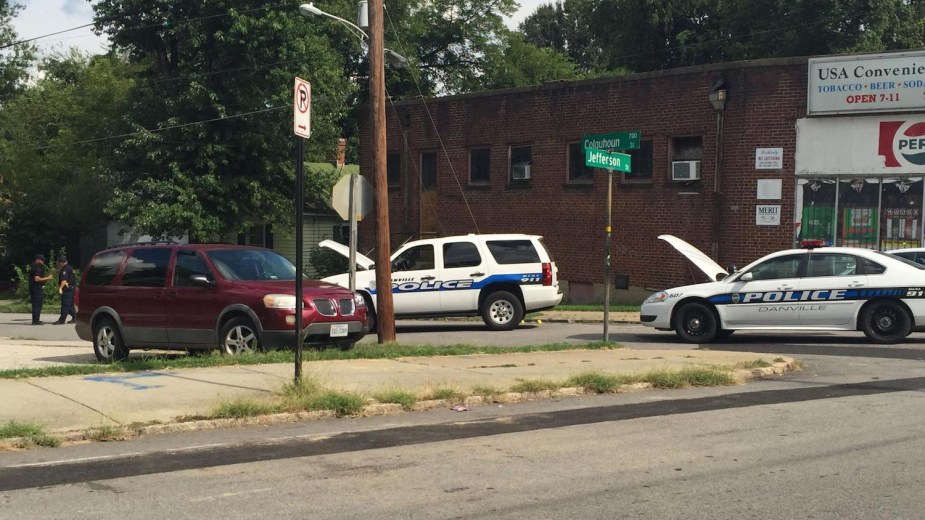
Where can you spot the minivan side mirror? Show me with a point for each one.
(201, 280)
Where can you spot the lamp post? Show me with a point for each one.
(717, 99)
(384, 308)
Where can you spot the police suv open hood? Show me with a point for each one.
(363, 262)
(703, 262)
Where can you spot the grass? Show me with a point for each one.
(31, 433)
(534, 385)
(402, 397)
(597, 307)
(361, 351)
(597, 382)
(241, 408)
(446, 393)
(487, 391)
(106, 432)
(758, 363)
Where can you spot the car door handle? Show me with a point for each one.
(476, 274)
(784, 287)
(856, 284)
(428, 278)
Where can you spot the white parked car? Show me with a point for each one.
(813, 288)
(500, 277)
(916, 254)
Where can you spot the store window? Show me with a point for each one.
(428, 170)
(479, 166)
(521, 159)
(393, 169)
(817, 217)
(578, 171)
(901, 213)
(858, 212)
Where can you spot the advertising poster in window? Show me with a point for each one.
(860, 227)
(817, 211)
(901, 214)
(859, 211)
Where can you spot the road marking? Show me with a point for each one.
(213, 498)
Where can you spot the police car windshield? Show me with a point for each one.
(903, 260)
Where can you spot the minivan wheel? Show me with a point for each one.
(239, 336)
(502, 310)
(107, 342)
(370, 314)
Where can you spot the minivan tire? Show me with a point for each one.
(502, 310)
(107, 342)
(239, 336)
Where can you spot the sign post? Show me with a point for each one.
(351, 197)
(595, 157)
(301, 110)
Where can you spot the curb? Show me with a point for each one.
(370, 410)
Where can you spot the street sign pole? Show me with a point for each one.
(353, 231)
(607, 255)
(299, 176)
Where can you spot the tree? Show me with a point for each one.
(563, 26)
(15, 58)
(213, 153)
(56, 179)
(518, 63)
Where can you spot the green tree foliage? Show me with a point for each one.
(641, 35)
(15, 58)
(53, 189)
(214, 61)
(518, 63)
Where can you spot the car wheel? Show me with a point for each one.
(107, 342)
(723, 334)
(885, 322)
(696, 323)
(502, 311)
(239, 336)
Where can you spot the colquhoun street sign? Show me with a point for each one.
(613, 141)
(611, 161)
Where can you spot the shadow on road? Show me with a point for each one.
(431, 327)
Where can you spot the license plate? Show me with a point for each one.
(339, 330)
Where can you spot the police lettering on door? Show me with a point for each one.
(431, 285)
(818, 295)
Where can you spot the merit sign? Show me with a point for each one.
(612, 141)
(612, 161)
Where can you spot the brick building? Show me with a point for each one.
(513, 161)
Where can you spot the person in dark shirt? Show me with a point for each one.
(66, 286)
(37, 279)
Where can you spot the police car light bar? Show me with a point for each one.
(811, 244)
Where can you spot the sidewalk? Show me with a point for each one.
(79, 403)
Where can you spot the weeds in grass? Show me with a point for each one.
(341, 403)
(487, 391)
(758, 363)
(106, 432)
(402, 397)
(707, 376)
(243, 408)
(780, 360)
(31, 434)
(447, 393)
(534, 385)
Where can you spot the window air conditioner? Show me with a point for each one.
(520, 172)
(683, 171)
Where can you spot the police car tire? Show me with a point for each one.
(502, 310)
(696, 323)
(108, 345)
(885, 321)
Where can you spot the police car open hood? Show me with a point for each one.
(363, 262)
(710, 268)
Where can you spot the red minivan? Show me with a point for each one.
(203, 296)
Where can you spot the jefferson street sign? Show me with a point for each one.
(612, 141)
(612, 161)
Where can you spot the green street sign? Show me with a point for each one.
(612, 141)
(612, 161)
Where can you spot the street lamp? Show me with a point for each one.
(384, 307)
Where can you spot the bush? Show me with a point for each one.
(326, 263)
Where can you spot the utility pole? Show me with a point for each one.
(385, 309)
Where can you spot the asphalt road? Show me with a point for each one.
(839, 439)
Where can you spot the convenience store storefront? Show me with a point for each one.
(860, 157)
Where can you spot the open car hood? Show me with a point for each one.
(703, 262)
(363, 262)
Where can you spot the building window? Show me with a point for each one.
(578, 172)
(901, 213)
(480, 166)
(686, 148)
(641, 164)
(816, 203)
(520, 163)
(393, 169)
(428, 170)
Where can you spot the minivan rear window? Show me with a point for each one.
(103, 268)
(513, 251)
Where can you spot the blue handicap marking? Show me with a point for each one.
(126, 380)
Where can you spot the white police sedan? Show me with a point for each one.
(813, 288)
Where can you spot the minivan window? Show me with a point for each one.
(103, 268)
(251, 264)
(188, 264)
(513, 251)
(147, 268)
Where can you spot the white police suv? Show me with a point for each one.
(813, 288)
(500, 277)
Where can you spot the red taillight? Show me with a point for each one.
(547, 273)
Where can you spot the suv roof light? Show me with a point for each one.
(811, 244)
